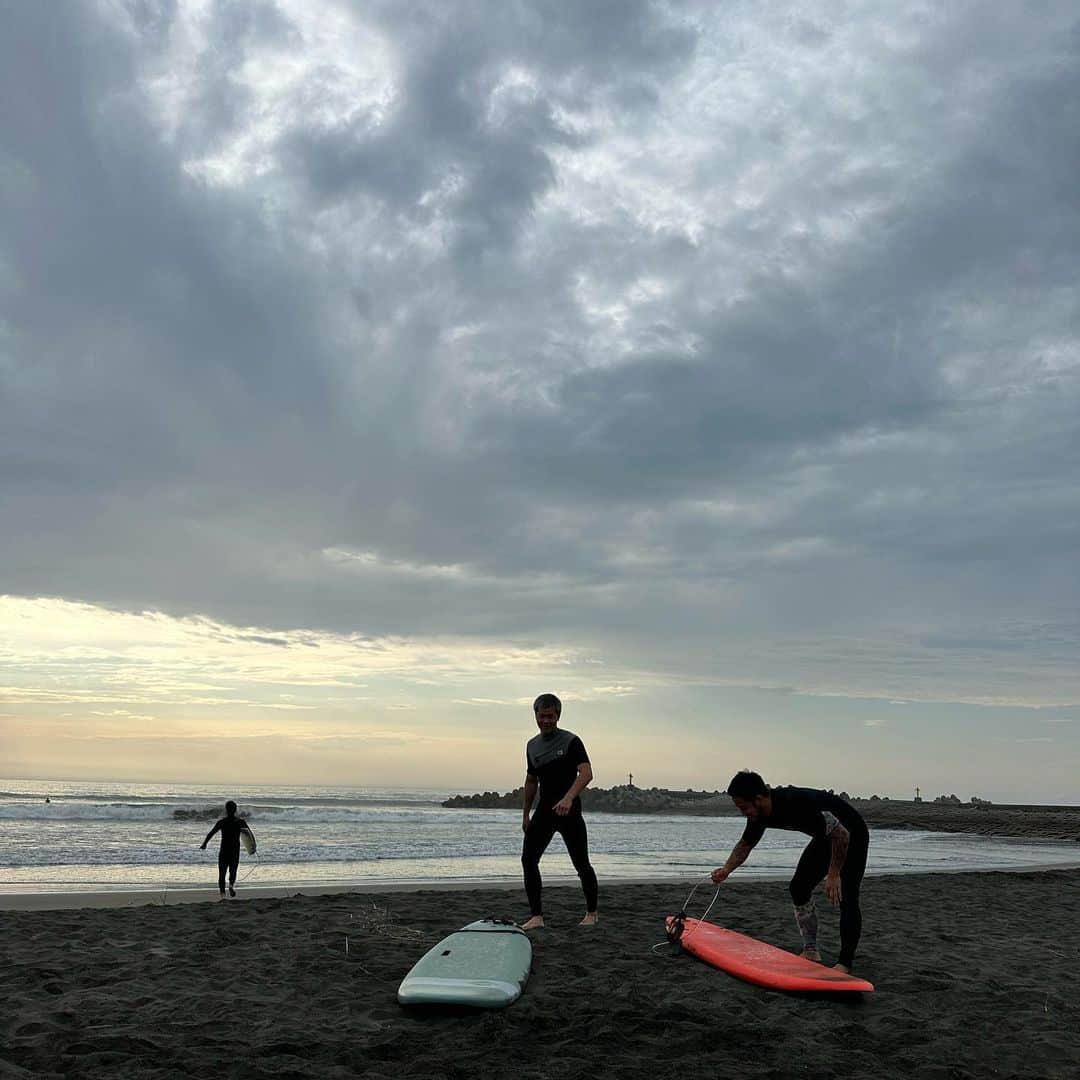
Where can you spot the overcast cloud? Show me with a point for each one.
(724, 344)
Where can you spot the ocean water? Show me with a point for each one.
(92, 836)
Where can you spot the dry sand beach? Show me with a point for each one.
(975, 975)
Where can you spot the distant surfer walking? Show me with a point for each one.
(230, 827)
(556, 765)
(836, 853)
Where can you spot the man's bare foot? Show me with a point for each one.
(535, 923)
(811, 954)
(591, 919)
(842, 968)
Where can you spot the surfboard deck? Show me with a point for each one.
(485, 964)
(758, 962)
(248, 840)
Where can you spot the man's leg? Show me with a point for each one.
(234, 862)
(537, 837)
(576, 836)
(812, 867)
(850, 913)
(222, 867)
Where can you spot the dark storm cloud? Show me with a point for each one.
(138, 309)
(524, 318)
(447, 123)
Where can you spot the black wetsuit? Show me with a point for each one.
(553, 760)
(816, 813)
(229, 854)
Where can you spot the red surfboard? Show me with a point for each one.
(756, 962)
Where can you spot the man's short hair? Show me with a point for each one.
(746, 785)
(547, 701)
(230, 807)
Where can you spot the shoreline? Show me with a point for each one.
(156, 896)
(968, 985)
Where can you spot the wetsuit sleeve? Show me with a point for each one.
(216, 827)
(576, 753)
(753, 832)
(529, 770)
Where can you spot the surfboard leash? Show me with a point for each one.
(254, 866)
(676, 928)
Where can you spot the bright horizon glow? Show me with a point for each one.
(96, 694)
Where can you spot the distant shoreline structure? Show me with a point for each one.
(944, 814)
(621, 799)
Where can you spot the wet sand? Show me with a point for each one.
(975, 977)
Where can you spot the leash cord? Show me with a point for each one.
(254, 867)
(675, 936)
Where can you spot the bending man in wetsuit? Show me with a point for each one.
(230, 827)
(557, 765)
(836, 853)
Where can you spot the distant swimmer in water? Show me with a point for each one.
(836, 853)
(47, 799)
(557, 765)
(230, 827)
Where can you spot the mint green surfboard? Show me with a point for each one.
(485, 964)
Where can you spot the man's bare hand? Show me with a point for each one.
(719, 875)
(564, 806)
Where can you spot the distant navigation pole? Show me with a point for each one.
(918, 797)
(631, 779)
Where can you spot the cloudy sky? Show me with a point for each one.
(367, 368)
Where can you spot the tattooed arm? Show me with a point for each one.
(840, 839)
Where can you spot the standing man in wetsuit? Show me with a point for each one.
(557, 765)
(836, 853)
(230, 827)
